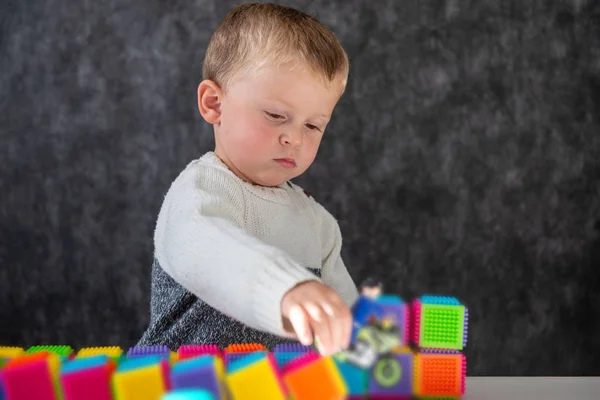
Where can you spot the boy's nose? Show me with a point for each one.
(293, 137)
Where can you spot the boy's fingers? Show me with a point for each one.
(337, 326)
(321, 327)
(301, 324)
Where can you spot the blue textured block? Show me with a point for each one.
(193, 363)
(356, 378)
(139, 362)
(243, 360)
(188, 394)
(443, 300)
(79, 364)
(282, 358)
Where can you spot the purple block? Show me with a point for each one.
(291, 348)
(145, 351)
(392, 376)
(196, 373)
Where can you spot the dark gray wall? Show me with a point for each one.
(464, 159)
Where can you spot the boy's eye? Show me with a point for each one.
(312, 127)
(273, 116)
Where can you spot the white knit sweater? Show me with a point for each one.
(240, 247)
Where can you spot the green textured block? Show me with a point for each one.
(62, 351)
(442, 326)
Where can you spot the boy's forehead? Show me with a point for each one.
(290, 85)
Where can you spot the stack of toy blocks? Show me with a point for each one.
(419, 354)
(440, 326)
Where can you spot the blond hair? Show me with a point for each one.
(253, 35)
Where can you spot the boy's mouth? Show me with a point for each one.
(286, 162)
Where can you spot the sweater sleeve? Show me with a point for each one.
(333, 270)
(201, 243)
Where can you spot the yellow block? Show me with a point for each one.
(139, 384)
(109, 351)
(11, 352)
(257, 381)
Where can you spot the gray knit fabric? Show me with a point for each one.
(178, 317)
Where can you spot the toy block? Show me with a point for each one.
(285, 352)
(145, 351)
(204, 372)
(114, 352)
(87, 378)
(236, 351)
(439, 374)
(396, 310)
(355, 378)
(189, 394)
(439, 322)
(194, 350)
(291, 348)
(8, 353)
(64, 352)
(245, 359)
(316, 379)
(257, 380)
(32, 376)
(392, 375)
(141, 378)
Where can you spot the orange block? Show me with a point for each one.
(245, 348)
(438, 375)
(317, 380)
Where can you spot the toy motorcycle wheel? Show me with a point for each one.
(387, 371)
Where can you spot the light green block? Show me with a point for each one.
(442, 326)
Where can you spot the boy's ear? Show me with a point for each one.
(210, 97)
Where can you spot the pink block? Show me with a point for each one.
(195, 350)
(416, 321)
(28, 381)
(88, 384)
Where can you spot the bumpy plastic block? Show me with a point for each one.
(141, 378)
(87, 378)
(440, 324)
(316, 380)
(392, 375)
(194, 350)
(32, 376)
(286, 352)
(64, 352)
(398, 311)
(204, 372)
(7, 353)
(245, 348)
(291, 348)
(145, 351)
(258, 380)
(114, 352)
(189, 394)
(355, 378)
(440, 375)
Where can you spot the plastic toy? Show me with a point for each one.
(400, 350)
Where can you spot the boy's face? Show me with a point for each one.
(271, 124)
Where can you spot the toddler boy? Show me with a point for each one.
(242, 254)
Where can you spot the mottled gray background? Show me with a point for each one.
(464, 159)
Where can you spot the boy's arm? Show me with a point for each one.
(201, 243)
(333, 270)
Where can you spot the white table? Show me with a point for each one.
(532, 388)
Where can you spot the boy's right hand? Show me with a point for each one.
(316, 312)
